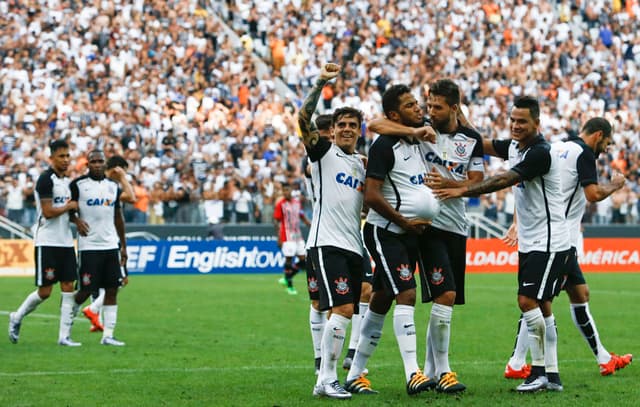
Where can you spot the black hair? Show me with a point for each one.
(347, 112)
(57, 145)
(391, 98)
(323, 121)
(597, 124)
(530, 103)
(117, 161)
(447, 89)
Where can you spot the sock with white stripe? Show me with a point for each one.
(520, 348)
(370, 334)
(429, 361)
(110, 313)
(317, 321)
(332, 341)
(356, 323)
(440, 325)
(405, 330)
(28, 305)
(96, 304)
(551, 345)
(587, 326)
(536, 334)
(67, 305)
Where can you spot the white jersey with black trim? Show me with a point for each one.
(453, 155)
(397, 163)
(53, 231)
(578, 163)
(338, 182)
(538, 197)
(97, 202)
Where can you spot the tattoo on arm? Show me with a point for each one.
(494, 183)
(308, 128)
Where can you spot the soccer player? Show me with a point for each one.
(453, 158)
(287, 214)
(102, 244)
(335, 243)
(400, 207)
(55, 257)
(116, 170)
(579, 184)
(543, 238)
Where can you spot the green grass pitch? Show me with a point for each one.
(240, 340)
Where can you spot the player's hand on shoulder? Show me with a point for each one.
(330, 71)
(426, 133)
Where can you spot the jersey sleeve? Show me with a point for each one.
(319, 150)
(476, 162)
(586, 167)
(502, 148)
(381, 158)
(277, 211)
(536, 162)
(75, 192)
(44, 187)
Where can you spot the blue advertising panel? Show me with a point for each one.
(203, 257)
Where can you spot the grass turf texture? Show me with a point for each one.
(240, 340)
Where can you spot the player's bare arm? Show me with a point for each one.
(598, 192)
(492, 184)
(309, 131)
(119, 224)
(388, 127)
(119, 175)
(49, 211)
(435, 180)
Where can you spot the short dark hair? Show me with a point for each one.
(597, 124)
(346, 112)
(530, 103)
(323, 121)
(447, 89)
(56, 145)
(117, 161)
(391, 98)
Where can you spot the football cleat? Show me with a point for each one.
(615, 363)
(419, 383)
(533, 383)
(282, 281)
(332, 390)
(68, 342)
(361, 385)
(14, 328)
(449, 383)
(111, 341)
(554, 383)
(94, 318)
(511, 373)
(292, 291)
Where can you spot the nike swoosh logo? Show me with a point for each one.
(340, 155)
(408, 325)
(375, 336)
(368, 274)
(406, 158)
(527, 284)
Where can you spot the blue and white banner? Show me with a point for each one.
(203, 257)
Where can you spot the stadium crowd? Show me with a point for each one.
(208, 137)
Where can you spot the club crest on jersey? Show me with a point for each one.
(312, 284)
(436, 276)
(461, 149)
(86, 279)
(342, 286)
(405, 272)
(50, 273)
(350, 180)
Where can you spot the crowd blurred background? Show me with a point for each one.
(201, 96)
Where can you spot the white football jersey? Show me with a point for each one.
(397, 162)
(338, 182)
(97, 202)
(53, 231)
(453, 155)
(539, 204)
(578, 163)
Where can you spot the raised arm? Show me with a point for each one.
(308, 130)
(597, 192)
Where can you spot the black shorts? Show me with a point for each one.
(542, 275)
(395, 256)
(443, 257)
(55, 264)
(100, 269)
(312, 280)
(339, 276)
(367, 270)
(574, 272)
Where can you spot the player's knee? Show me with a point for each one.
(365, 292)
(446, 298)
(345, 310)
(527, 304)
(578, 294)
(407, 297)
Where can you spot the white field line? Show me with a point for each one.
(48, 316)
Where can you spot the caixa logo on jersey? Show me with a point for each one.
(452, 166)
(417, 179)
(350, 181)
(204, 257)
(100, 202)
(59, 200)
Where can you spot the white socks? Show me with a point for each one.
(370, 332)
(521, 347)
(536, 334)
(439, 332)
(317, 321)
(331, 348)
(110, 314)
(356, 323)
(551, 345)
(67, 308)
(405, 330)
(96, 304)
(28, 305)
